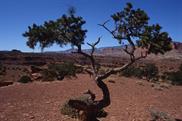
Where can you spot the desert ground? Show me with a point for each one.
(131, 99)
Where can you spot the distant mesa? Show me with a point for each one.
(16, 51)
(106, 51)
(117, 51)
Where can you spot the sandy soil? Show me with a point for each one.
(131, 101)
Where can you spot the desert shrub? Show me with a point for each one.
(133, 72)
(48, 75)
(25, 79)
(66, 69)
(174, 77)
(59, 71)
(66, 109)
(151, 72)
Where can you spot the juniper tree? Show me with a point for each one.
(132, 31)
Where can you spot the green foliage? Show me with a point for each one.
(133, 23)
(59, 71)
(129, 23)
(67, 29)
(25, 79)
(43, 34)
(154, 40)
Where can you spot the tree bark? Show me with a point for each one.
(105, 101)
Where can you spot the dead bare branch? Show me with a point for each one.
(91, 57)
(93, 46)
(106, 28)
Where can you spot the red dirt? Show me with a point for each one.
(130, 101)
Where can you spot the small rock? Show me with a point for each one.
(48, 102)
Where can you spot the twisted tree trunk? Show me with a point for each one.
(106, 95)
(90, 108)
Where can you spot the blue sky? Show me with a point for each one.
(16, 15)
